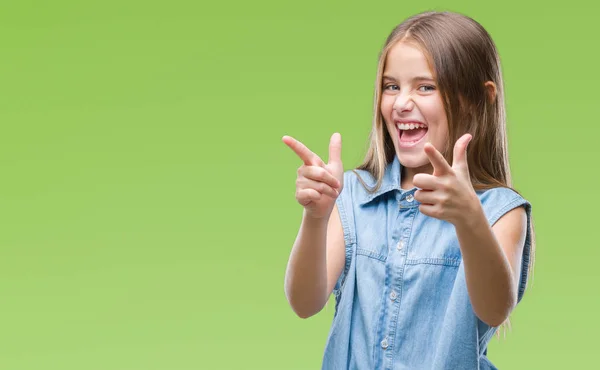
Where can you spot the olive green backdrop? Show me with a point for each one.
(147, 203)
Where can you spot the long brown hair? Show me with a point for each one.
(462, 57)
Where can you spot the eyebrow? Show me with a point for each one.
(416, 78)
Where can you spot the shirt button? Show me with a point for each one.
(384, 343)
(400, 245)
(410, 198)
(393, 295)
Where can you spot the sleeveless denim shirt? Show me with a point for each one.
(401, 301)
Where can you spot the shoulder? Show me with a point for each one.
(351, 192)
(356, 185)
(354, 194)
(498, 201)
(358, 176)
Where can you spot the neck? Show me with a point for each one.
(409, 172)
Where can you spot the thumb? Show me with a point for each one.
(335, 149)
(460, 152)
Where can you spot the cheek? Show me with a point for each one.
(435, 115)
(386, 112)
(385, 107)
(433, 110)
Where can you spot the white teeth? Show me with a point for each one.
(409, 126)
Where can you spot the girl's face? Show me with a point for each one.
(411, 106)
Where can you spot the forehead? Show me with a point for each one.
(406, 60)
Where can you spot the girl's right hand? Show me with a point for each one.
(318, 184)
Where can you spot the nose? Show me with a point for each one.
(403, 103)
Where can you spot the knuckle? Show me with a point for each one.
(318, 174)
(322, 188)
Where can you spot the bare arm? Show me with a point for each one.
(315, 264)
(492, 258)
(318, 253)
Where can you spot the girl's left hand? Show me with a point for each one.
(447, 194)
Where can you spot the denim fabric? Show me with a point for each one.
(401, 301)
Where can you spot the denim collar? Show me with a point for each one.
(391, 181)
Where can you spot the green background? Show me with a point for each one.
(147, 202)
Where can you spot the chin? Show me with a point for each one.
(412, 160)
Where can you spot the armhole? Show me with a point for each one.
(518, 201)
(345, 210)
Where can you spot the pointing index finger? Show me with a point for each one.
(308, 157)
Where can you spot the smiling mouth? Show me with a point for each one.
(410, 134)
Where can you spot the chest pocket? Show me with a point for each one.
(372, 244)
(434, 242)
(372, 237)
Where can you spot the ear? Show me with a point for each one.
(491, 90)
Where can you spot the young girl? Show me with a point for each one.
(425, 246)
